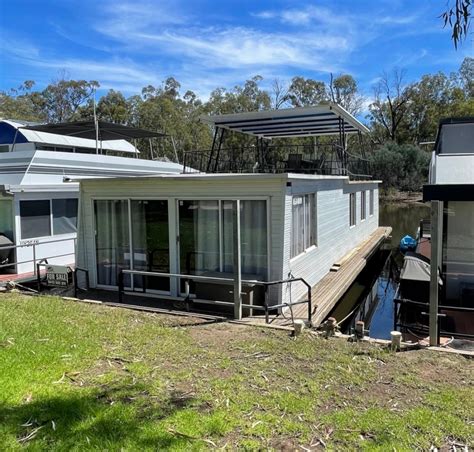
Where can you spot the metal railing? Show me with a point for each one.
(420, 310)
(266, 308)
(74, 272)
(35, 258)
(307, 159)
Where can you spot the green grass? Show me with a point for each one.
(76, 376)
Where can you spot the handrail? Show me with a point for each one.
(266, 308)
(328, 159)
(34, 246)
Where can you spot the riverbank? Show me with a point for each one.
(88, 377)
(401, 197)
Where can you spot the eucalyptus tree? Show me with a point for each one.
(344, 91)
(62, 99)
(18, 103)
(390, 106)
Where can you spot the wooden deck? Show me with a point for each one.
(335, 284)
(17, 277)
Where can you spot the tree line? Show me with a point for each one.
(400, 115)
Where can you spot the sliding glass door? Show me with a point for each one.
(150, 243)
(132, 234)
(206, 237)
(112, 240)
(253, 238)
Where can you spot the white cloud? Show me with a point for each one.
(233, 46)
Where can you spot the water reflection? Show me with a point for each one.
(370, 298)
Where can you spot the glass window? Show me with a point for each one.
(457, 139)
(371, 203)
(150, 242)
(458, 253)
(303, 223)
(352, 209)
(199, 236)
(363, 205)
(35, 219)
(6, 218)
(64, 216)
(253, 237)
(206, 237)
(112, 240)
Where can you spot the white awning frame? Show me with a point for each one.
(320, 120)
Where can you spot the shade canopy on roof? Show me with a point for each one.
(87, 129)
(54, 139)
(325, 119)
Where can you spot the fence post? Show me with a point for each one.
(38, 276)
(35, 268)
(310, 308)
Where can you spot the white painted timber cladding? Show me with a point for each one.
(173, 190)
(335, 237)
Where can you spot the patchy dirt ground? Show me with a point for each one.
(80, 376)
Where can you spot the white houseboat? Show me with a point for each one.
(38, 206)
(241, 227)
(444, 274)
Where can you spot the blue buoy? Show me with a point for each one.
(408, 243)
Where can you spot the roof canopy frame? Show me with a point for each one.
(324, 119)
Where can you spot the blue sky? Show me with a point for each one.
(128, 44)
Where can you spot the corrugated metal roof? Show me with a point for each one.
(324, 119)
(64, 140)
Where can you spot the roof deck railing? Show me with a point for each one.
(329, 159)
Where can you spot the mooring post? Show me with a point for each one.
(436, 248)
(237, 259)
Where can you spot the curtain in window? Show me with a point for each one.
(150, 240)
(298, 226)
(199, 236)
(112, 240)
(253, 238)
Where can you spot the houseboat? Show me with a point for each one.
(38, 206)
(243, 228)
(439, 279)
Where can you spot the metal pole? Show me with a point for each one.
(96, 125)
(34, 258)
(211, 154)
(151, 149)
(221, 139)
(436, 247)
(237, 259)
(174, 148)
(14, 140)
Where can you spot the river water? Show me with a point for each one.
(370, 298)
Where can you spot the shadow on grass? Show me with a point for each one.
(108, 417)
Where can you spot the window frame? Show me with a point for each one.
(51, 218)
(363, 205)
(53, 233)
(21, 219)
(352, 210)
(310, 241)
